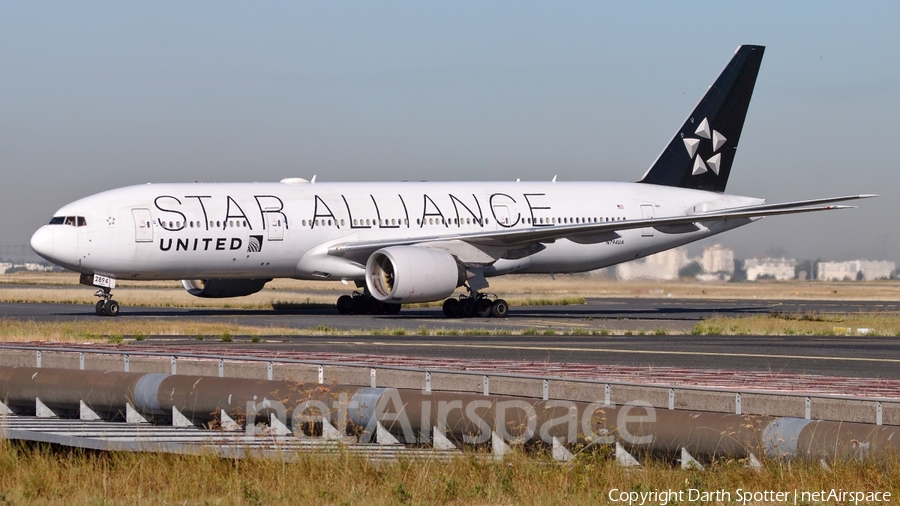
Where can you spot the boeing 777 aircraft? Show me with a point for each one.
(416, 241)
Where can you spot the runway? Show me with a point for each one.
(597, 313)
(865, 358)
(859, 357)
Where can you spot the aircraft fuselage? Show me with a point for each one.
(274, 230)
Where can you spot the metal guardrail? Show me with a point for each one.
(879, 403)
(98, 434)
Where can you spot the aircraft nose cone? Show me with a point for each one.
(42, 242)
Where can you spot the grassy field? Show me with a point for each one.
(42, 475)
(118, 331)
(818, 324)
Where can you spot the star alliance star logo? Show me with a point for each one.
(718, 140)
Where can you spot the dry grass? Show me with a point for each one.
(818, 324)
(116, 330)
(45, 476)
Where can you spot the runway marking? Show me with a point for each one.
(553, 322)
(613, 350)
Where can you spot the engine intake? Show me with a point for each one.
(404, 274)
(223, 288)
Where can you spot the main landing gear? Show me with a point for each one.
(363, 303)
(475, 304)
(106, 306)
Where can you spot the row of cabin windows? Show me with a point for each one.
(78, 221)
(73, 221)
(372, 223)
(529, 221)
(320, 223)
(199, 224)
(457, 221)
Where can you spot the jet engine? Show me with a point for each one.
(405, 274)
(223, 288)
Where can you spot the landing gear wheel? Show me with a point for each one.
(106, 306)
(392, 309)
(451, 307)
(345, 304)
(499, 308)
(376, 306)
(359, 305)
(466, 308)
(483, 307)
(111, 308)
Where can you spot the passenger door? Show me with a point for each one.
(143, 225)
(647, 214)
(275, 226)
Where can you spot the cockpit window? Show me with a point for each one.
(75, 221)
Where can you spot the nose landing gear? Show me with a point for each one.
(106, 306)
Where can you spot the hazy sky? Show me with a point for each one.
(99, 95)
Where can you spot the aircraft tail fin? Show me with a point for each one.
(702, 151)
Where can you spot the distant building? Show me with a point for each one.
(868, 270)
(34, 266)
(769, 268)
(661, 266)
(6, 267)
(718, 259)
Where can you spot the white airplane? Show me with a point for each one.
(416, 241)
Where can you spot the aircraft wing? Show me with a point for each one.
(518, 238)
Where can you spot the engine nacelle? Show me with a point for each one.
(223, 288)
(403, 274)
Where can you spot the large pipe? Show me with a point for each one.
(472, 418)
